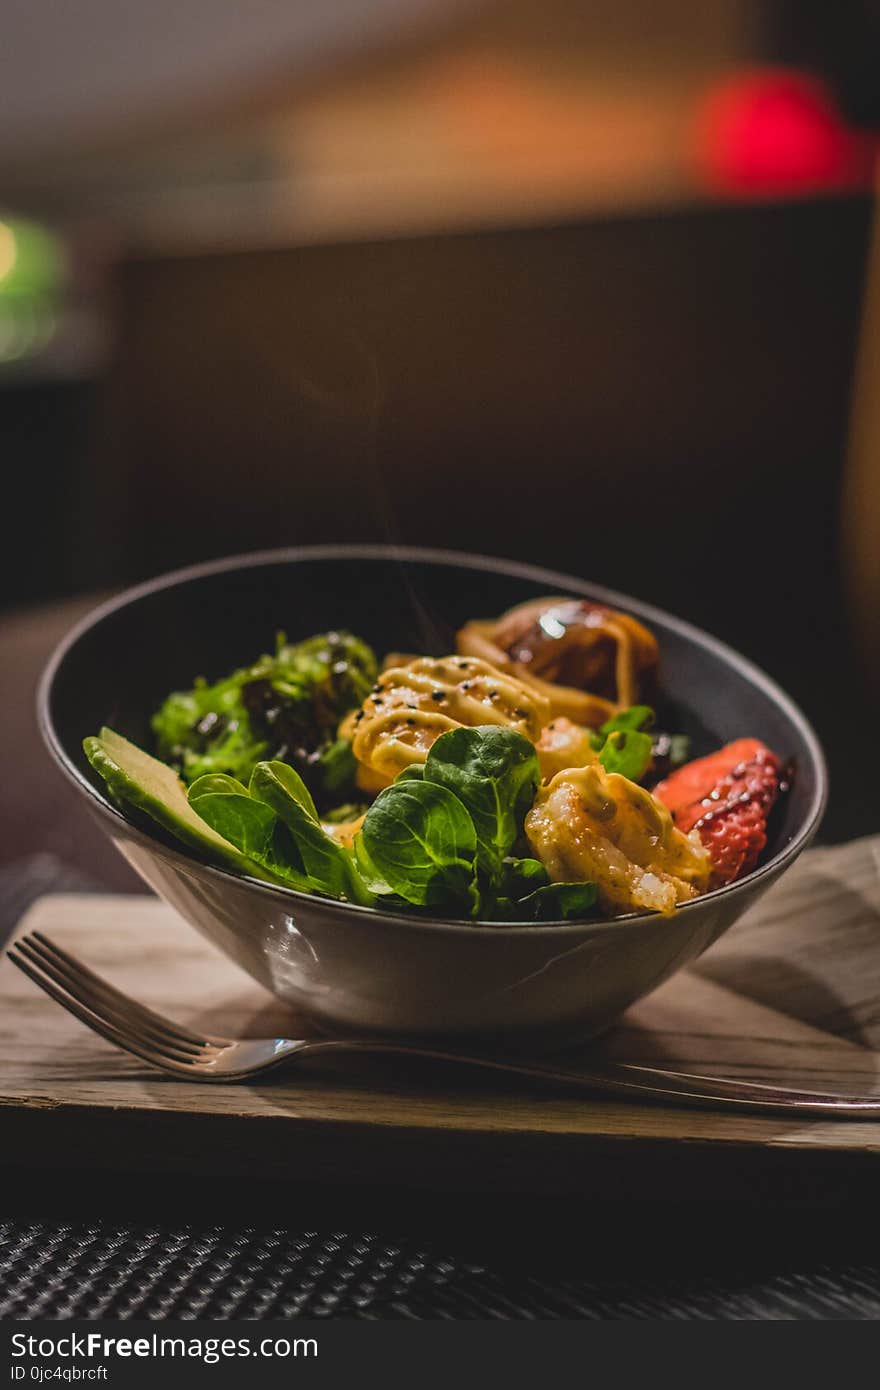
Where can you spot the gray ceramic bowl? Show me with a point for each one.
(360, 969)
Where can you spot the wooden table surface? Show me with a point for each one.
(809, 947)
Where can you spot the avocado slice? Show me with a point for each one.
(135, 777)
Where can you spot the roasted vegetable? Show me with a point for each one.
(586, 659)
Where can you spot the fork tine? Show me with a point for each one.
(95, 1022)
(112, 1014)
(124, 1019)
(105, 990)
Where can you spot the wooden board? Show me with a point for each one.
(813, 947)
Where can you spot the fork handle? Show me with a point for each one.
(627, 1079)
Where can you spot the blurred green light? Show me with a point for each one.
(8, 251)
(32, 259)
(33, 272)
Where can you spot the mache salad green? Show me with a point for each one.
(422, 847)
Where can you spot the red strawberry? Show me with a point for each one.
(727, 796)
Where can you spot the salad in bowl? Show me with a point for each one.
(462, 796)
(520, 784)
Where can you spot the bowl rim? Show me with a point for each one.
(459, 559)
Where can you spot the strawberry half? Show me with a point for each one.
(727, 797)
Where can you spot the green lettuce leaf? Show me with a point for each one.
(494, 772)
(622, 744)
(421, 842)
(330, 867)
(253, 828)
(558, 902)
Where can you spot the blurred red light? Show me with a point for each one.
(778, 131)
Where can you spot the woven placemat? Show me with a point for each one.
(104, 1268)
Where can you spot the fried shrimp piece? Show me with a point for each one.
(563, 744)
(589, 825)
(588, 660)
(411, 706)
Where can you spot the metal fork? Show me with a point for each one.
(200, 1057)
